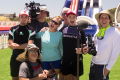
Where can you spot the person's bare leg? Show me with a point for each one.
(15, 78)
(74, 78)
(57, 71)
(61, 76)
(68, 77)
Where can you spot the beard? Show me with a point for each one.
(23, 23)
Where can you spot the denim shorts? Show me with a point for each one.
(56, 64)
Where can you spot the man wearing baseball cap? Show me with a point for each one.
(107, 42)
(69, 64)
(40, 23)
(19, 36)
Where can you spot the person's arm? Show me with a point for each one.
(23, 73)
(30, 41)
(115, 52)
(22, 78)
(61, 44)
(10, 39)
(13, 45)
(39, 77)
(79, 50)
(83, 36)
(38, 35)
(32, 36)
(83, 41)
(43, 29)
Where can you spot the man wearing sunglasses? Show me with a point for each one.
(65, 21)
(31, 68)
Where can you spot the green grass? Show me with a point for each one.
(5, 55)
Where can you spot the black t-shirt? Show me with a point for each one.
(37, 27)
(70, 43)
(20, 35)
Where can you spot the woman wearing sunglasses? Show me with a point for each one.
(52, 48)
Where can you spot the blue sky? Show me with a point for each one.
(54, 6)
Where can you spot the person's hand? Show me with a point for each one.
(43, 29)
(85, 50)
(106, 71)
(78, 50)
(46, 72)
(42, 76)
(13, 46)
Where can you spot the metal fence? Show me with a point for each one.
(3, 39)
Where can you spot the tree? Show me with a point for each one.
(14, 15)
(112, 11)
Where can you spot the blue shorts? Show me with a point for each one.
(55, 64)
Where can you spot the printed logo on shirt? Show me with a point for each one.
(21, 33)
(70, 36)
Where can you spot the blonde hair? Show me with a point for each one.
(59, 18)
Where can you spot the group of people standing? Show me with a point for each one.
(56, 44)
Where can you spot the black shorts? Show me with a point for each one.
(14, 65)
(71, 68)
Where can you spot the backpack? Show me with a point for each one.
(31, 70)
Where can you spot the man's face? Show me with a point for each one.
(104, 20)
(33, 54)
(64, 12)
(23, 19)
(72, 19)
(43, 14)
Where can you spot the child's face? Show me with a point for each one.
(72, 19)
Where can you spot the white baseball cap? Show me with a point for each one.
(44, 8)
(23, 12)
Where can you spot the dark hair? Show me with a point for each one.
(107, 14)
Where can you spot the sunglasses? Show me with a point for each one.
(64, 14)
(31, 51)
(54, 22)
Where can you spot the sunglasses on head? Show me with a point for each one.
(54, 22)
(64, 14)
(31, 51)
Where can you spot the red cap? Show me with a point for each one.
(23, 12)
(71, 12)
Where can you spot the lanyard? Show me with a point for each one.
(101, 33)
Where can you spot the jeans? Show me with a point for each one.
(96, 72)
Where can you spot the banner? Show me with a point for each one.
(8, 23)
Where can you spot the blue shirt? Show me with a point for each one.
(52, 48)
